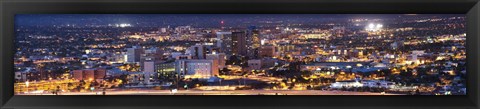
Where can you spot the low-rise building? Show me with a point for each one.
(194, 68)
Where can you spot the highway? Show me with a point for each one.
(228, 92)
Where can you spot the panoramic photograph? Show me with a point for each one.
(240, 54)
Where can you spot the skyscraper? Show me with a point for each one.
(218, 58)
(238, 43)
(134, 54)
(252, 41)
(149, 58)
(266, 51)
(199, 51)
(244, 43)
(232, 43)
(224, 40)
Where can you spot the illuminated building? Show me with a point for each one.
(152, 54)
(89, 74)
(338, 31)
(346, 84)
(224, 40)
(165, 68)
(330, 65)
(196, 68)
(257, 64)
(134, 54)
(285, 47)
(266, 51)
(220, 58)
(183, 29)
(252, 41)
(141, 78)
(149, 66)
(197, 51)
(149, 58)
(239, 43)
(77, 74)
(100, 73)
(232, 43)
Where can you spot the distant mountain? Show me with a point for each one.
(202, 20)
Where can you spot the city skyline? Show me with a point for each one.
(240, 54)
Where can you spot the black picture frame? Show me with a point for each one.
(9, 8)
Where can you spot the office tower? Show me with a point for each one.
(224, 42)
(149, 66)
(220, 58)
(149, 58)
(252, 41)
(154, 54)
(238, 43)
(165, 68)
(134, 54)
(232, 43)
(266, 51)
(197, 51)
(245, 43)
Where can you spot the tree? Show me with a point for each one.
(233, 60)
(224, 71)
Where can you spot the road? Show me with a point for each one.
(230, 92)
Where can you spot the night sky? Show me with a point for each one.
(199, 20)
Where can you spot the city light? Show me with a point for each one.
(170, 54)
(123, 25)
(374, 27)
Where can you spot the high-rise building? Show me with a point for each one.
(134, 54)
(152, 54)
(224, 40)
(197, 51)
(150, 57)
(245, 43)
(220, 58)
(149, 66)
(232, 43)
(89, 74)
(141, 78)
(238, 43)
(285, 47)
(266, 51)
(252, 41)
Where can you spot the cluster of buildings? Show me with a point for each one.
(202, 60)
(152, 55)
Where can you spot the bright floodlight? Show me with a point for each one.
(371, 26)
(123, 25)
(374, 27)
(379, 26)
